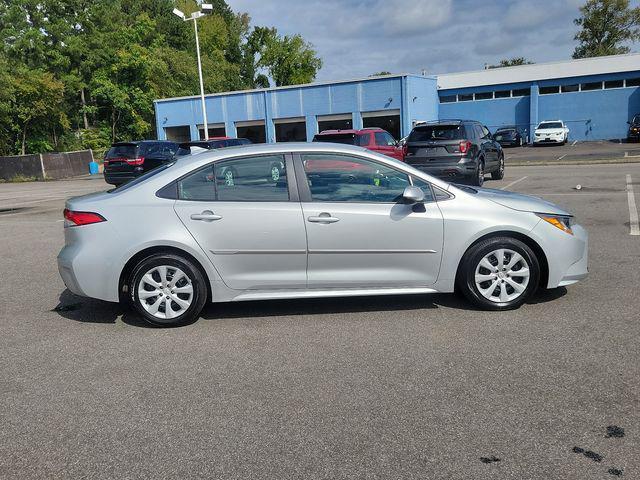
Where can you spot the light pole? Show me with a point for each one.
(206, 8)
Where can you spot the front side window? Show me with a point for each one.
(254, 179)
(383, 139)
(344, 178)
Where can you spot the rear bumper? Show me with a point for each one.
(118, 178)
(455, 168)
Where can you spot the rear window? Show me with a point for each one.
(427, 133)
(161, 150)
(345, 138)
(549, 125)
(141, 178)
(233, 142)
(122, 151)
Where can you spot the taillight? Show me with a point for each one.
(135, 161)
(105, 162)
(405, 149)
(76, 219)
(464, 146)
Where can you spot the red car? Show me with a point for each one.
(375, 139)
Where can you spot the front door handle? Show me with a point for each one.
(324, 217)
(206, 216)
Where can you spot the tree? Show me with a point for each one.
(511, 62)
(380, 74)
(290, 60)
(605, 28)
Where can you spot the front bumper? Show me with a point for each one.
(538, 140)
(567, 255)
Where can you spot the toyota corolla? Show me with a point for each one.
(337, 221)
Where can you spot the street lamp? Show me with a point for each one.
(205, 8)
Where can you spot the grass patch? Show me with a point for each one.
(20, 179)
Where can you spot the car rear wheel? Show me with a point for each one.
(499, 173)
(478, 178)
(167, 290)
(499, 273)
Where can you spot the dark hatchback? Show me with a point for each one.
(127, 160)
(510, 136)
(457, 150)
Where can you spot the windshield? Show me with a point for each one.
(141, 178)
(128, 150)
(636, 120)
(436, 132)
(549, 125)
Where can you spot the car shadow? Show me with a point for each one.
(88, 310)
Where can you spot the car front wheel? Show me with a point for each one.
(167, 290)
(499, 273)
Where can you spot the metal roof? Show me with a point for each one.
(541, 71)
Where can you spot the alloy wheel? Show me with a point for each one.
(166, 292)
(502, 275)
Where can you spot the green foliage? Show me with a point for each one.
(606, 26)
(83, 73)
(511, 62)
(380, 74)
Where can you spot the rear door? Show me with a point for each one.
(490, 147)
(250, 226)
(359, 232)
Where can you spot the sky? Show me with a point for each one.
(356, 38)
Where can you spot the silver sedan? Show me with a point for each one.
(310, 220)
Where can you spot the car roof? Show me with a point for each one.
(351, 131)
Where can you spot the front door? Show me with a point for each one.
(386, 144)
(359, 233)
(242, 214)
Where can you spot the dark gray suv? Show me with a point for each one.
(457, 150)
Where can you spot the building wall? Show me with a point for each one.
(310, 102)
(590, 115)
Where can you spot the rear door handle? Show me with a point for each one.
(324, 217)
(206, 216)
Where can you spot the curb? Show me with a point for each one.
(601, 161)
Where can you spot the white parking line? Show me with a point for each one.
(513, 183)
(574, 143)
(634, 226)
(560, 158)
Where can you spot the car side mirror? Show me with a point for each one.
(413, 194)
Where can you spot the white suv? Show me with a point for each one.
(551, 131)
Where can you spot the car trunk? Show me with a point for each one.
(435, 145)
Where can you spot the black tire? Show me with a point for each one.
(466, 280)
(197, 298)
(499, 173)
(478, 177)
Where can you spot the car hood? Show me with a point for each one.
(520, 202)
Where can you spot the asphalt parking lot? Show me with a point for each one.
(574, 152)
(406, 387)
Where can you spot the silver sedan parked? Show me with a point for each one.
(327, 221)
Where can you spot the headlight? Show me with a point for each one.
(563, 222)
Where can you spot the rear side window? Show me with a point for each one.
(122, 151)
(253, 179)
(345, 138)
(425, 133)
(384, 139)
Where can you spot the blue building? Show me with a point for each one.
(595, 97)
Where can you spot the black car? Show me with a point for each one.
(458, 150)
(633, 134)
(510, 136)
(185, 147)
(125, 161)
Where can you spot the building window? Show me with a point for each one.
(447, 98)
(335, 122)
(633, 82)
(570, 88)
(465, 97)
(291, 130)
(178, 134)
(502, 94)
(389, 121)
(586, 87)
(484, 96)
(613, 83)
(521, 92)
(253, 131)
(549, 90)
